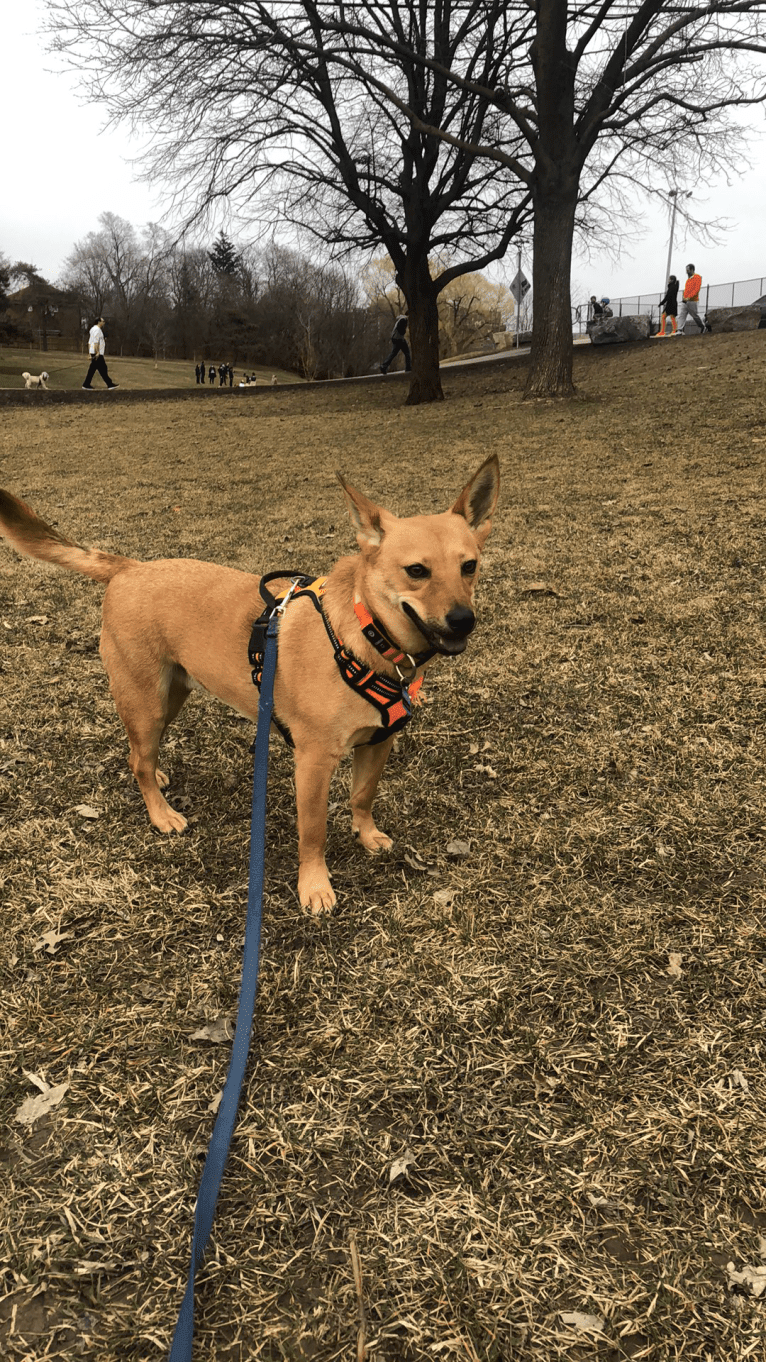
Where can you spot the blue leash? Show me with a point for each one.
(220, 1140)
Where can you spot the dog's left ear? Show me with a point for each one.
(478, 499)
(367, 519)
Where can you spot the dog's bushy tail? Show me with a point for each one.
(30, 535)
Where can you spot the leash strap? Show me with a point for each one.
(220, 1140)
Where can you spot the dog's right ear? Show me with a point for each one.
(367, 519)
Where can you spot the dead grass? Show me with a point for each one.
(564, 1052)
(66, 370)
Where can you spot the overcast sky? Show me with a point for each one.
(60, 171)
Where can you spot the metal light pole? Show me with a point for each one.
(673, 194)
(520, 299)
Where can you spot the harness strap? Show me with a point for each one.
(392, 699)
(376, 635)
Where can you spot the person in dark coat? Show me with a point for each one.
(669, 308)
(196, 372)
(596, 310)
(211, 375)
(398, 343)
(202, 372)
(231, 375)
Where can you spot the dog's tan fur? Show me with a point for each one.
(35, 380)
(172, 624)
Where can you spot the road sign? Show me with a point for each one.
(520, 286)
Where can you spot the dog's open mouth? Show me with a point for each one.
(445, 641)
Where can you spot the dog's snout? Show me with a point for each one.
(460, 620)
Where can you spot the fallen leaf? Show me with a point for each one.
(754, 1277)
(400, 1166)
(37, 1080)
(487, 771)
(50, 940)
(218, 1031)
(590, 1323)
(416, 863)
(739, 1080)
(34, 1107)
(458, 849)
(86, 811)
(216, 1102)
(443, 897)
(37, 619)
(540, 589)
(87, 1267)
(674, 965)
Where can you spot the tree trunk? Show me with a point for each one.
(554, 199)
(420, 291)
(550, 370)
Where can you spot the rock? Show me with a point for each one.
(735, 318)
(613, 329)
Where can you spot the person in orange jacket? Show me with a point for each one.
(689, 306)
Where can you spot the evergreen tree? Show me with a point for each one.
(224, 257)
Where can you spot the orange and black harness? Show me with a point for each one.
(393, 699)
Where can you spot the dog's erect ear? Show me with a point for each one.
(367, 519)
(478, 499)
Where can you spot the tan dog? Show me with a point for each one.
(174, 624)
(35, 380)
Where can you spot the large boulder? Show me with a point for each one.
(735, 318)
(612, 329)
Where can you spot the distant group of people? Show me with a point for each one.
(689, 305)
(225, 375)
(224, 371)
(600, 310)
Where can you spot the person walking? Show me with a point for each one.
(690, 303)
(96, 347)
(669, 307)
(398, 343)
(202, 372)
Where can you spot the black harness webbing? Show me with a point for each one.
(392, 698)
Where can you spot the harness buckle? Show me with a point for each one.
(405, 680)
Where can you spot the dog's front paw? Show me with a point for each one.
(315, 892)
(169, 820)
(373, 840)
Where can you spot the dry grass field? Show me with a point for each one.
(66, 370)
(521, 1066)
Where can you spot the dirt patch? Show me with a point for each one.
(569, 1044)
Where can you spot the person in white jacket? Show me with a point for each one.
(96, 348)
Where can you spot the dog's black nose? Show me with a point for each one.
(460, 620)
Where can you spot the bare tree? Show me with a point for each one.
(118, 270)
(269, 105)
(592, 96)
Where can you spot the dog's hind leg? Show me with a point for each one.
(178, 690)
(147, 700)
(367, 770)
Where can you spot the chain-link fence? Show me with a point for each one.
(741, 293)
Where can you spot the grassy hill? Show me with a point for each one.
(521, 1065)
(67, 369)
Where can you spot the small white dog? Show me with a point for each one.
(36, 380)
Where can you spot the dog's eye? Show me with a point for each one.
(469, 568)
(417, 571)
